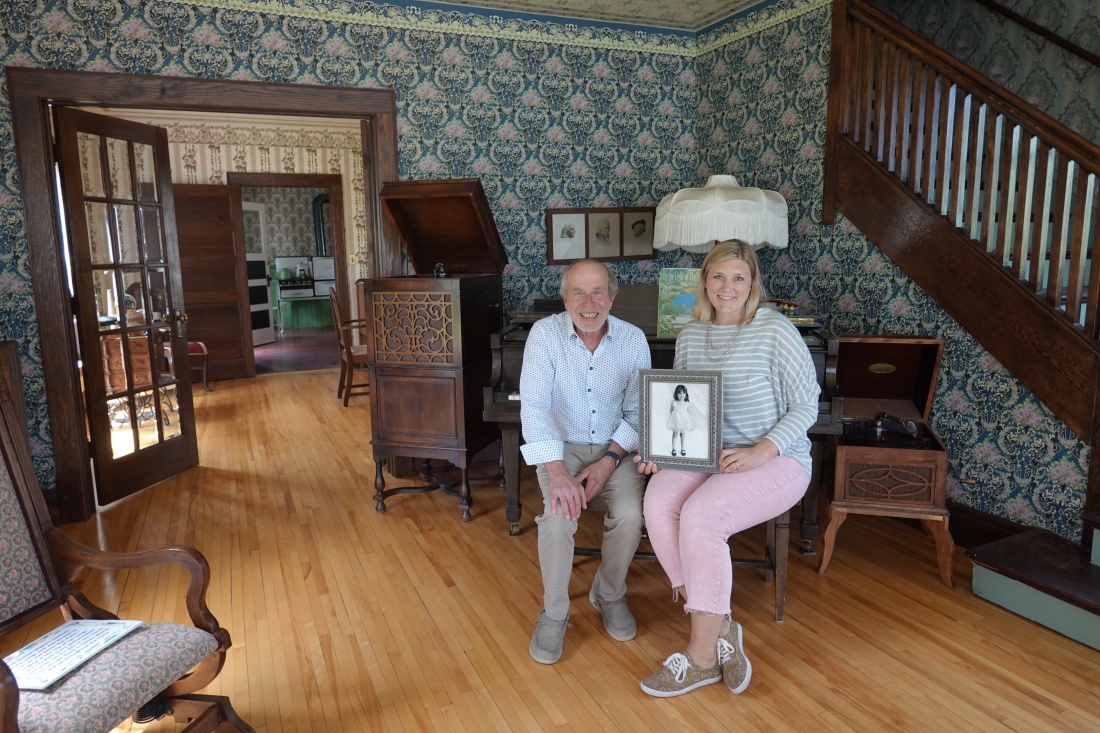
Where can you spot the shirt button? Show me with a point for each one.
(593, 412)
(591, 368)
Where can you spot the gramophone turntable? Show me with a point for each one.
(889, 462)
(887, 431)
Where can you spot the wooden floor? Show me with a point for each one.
(344, 619)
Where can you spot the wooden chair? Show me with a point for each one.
(777, 538)
(196, 352)
(150, 672)
(352, 357)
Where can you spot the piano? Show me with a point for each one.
(637, 304)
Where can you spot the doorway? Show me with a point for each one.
(306, 229)
(33, 93)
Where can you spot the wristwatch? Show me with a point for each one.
(615, 457)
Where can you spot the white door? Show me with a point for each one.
(259, 288)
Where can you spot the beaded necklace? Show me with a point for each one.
(708, 345)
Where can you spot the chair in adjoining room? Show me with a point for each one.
(152, 671)
(352, 357)
(196, 352)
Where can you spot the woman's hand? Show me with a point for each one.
(735, 460)
(647, 468)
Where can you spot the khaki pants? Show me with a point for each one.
(621, 499)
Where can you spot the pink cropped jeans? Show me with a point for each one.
(690, 516)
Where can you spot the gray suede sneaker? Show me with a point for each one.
(736, 667)
(617, 618)
(679, 675)
(547, 641)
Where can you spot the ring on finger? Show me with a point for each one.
(737, 464)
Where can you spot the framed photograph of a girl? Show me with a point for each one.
(680, 418)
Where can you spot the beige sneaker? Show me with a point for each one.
(546, 643)
(736, 667)
(679, 675)
(617, 618)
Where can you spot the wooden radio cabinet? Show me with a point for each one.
(428, 335)
(888, 461)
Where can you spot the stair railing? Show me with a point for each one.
(1017, 182)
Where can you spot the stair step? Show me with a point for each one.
(1044, 577)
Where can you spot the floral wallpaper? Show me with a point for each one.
(290, 231)
(1060, 83)
(555, 115)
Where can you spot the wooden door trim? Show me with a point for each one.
(335, 185)
(32, 91)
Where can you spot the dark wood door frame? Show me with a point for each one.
(32, 92)
(334, 184)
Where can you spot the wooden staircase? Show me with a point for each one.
(992, 208)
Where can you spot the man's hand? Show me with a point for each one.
(566, 490)
(594, 476)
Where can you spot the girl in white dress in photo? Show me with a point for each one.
(682, 417)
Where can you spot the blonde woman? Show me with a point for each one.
(769, 401)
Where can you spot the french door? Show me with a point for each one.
(128, 313)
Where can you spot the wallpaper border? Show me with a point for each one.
(558, 31)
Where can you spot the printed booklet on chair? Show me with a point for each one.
(52, 656)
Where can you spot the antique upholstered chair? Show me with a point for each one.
(198, 356)
(352, 357)
(149, 672)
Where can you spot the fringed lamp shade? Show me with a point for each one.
(695, 218)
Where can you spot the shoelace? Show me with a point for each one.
(725, 651)
(678, 664)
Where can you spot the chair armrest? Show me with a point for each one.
(70, 555)
(9, 701)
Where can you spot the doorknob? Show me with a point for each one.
(180, 319)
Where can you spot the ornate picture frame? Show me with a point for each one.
(680, 418)
(606, 234)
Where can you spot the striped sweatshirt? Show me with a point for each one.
(769, 385)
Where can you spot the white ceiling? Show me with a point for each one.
(687, 15)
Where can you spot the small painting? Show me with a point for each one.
(676, 290)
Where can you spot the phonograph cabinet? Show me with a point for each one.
(428, 334)
(888, 461)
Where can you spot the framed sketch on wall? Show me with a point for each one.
(638, 233)
(607, 234)
(566, 234)
(680, 420)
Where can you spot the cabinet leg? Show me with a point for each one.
(467, 499)
(832, 524)
(945, 547)
(379, 485)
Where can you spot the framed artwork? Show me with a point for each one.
(608, 234)
(680, 418)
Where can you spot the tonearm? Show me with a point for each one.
(908, 426)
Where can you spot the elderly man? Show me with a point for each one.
(579, 409)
